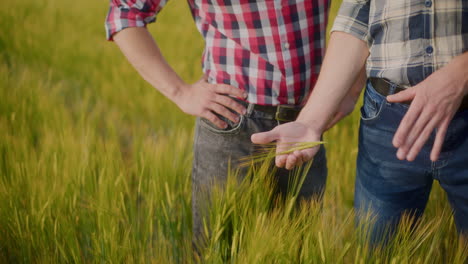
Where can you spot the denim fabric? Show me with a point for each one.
(387, 187)
(215, 150)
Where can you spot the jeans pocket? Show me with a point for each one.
(231, 129)
(373, 104)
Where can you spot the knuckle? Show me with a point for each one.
(219, 98)
(233, 106)
(212, 105)
(211, 118)
(278, 163)
(220, 89)
(222, 110)
(231, 103)
(208, 94)
(217, 121)
(292, 159)
(204, 114)
(238, 107)
(238, 92)
(231, 89)
(233, 116)
(213, 89)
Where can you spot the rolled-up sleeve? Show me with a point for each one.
(353, 18)
(131, 13)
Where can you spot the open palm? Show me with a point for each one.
(293, 132)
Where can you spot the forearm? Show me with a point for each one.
(200, 99)
(341, 69)
(359, 83)
(143, 53)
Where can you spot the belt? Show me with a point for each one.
(282, 113)
(383, 87)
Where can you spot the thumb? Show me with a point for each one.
(403, 96)
(264, 137)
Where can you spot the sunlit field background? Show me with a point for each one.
(95, 164)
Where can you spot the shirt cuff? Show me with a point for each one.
(353, 18)
(122, 18)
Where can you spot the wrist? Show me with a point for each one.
(311, 125)
(461, 67)
(178, 92)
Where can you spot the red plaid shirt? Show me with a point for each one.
(272, 49)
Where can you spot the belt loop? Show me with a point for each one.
(392, 88)
(277, 114)
(250, 108)
(392, 91)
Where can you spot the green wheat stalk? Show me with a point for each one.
(268, 151)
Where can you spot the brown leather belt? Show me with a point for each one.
(282, 113)
(383, 87)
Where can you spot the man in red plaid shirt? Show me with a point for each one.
(260, 62)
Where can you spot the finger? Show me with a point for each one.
(403, 96)
(230, 90)
(308, 154)
(214, 119)
(291, 162)
(230, 103)
(224, 112)
(299, 157)
(439, 140)
(265, 137)
(407, 123)
(280, 161)
(415, 133)
(422, 139)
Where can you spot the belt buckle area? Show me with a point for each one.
(286, 113)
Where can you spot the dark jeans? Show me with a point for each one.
(388, 187)
(215, 150)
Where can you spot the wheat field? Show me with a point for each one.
(95, 164)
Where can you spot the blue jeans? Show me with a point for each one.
(387, 187)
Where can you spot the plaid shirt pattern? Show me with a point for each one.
(272, 49)
(408, 39)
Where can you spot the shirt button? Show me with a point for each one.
(428, 3)
(429, 49)
(286, 45)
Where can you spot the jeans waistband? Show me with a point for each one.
(385, 87)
